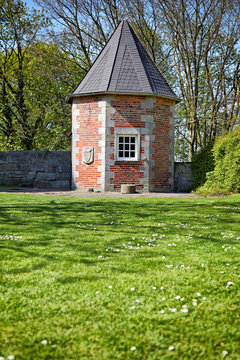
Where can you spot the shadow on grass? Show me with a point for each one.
(25, 270)
(78, 278)
(125, 270)
(57, 218)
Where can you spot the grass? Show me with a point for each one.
(97, 278)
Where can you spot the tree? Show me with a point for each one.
(204, 37)
(35, 77)
(50, 74)
(18, 30)
(85, 26)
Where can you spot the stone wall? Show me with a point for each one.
(39, 169)
(183, 177)
(52, 170)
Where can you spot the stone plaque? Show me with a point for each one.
(88, 155)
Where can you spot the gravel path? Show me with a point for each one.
(86, 194)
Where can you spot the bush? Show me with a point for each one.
(203, 163)
(225, 178)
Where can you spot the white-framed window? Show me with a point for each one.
(127, 147)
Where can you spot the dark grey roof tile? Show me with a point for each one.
(124, 66)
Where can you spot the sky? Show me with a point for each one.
(31, 3)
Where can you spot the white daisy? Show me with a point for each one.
(230, 283)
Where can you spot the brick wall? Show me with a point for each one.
(40, 169)
(127, 115)
(152, 117)
(98, 120)
(163, 154)
(86, 123)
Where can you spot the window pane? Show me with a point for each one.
(127, 147)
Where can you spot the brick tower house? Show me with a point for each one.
(123, 120)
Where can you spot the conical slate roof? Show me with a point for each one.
(124, 66)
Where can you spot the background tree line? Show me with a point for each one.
(44, 54)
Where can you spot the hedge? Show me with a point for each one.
(225, 177)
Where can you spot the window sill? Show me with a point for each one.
(127, 161)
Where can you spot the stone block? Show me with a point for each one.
(183, 178)
(17, 173)
(6, 167)
(59, 156)
(42, 184)
(27, 182)
(22, 167)
(4, 180)
(64, 168)
(63, 176)
(45, 176)
(18, 156)
(3, 157)
(128, 189)
(51, 167)
(39, 156)
(37, 166)
(16, 181)
(30, 175)
(60, 184)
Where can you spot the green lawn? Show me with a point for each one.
(119, 278)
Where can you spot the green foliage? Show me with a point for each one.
(51, 75)
(63, 296)
(34, 79)
(225, 178)
(202, 163)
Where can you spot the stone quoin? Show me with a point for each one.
(123, 120)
